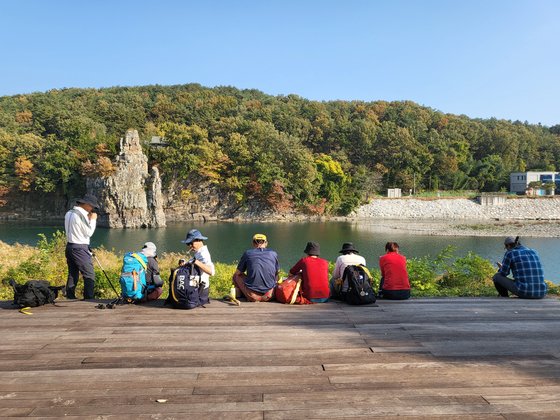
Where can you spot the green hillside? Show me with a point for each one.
(285, 151)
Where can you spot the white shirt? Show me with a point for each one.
(203, 255)
(344, 261)
(78, 229)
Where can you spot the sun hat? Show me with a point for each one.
(348, 247)
(259, 237)
(194, 235)
(89, 199)
(312, 248)
(149, 249)
(150, 245)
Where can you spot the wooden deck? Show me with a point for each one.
(426, 358)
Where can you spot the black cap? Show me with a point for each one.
(89, 199)
(312, 248)
(348, 247)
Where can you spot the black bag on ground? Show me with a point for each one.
(360, 291)
(34, 293)
(185, 287)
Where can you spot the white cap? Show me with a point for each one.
(149, 249)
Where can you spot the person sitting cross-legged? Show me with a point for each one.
(314, 274)
(394, 277)
(350, 256)
(257, 271)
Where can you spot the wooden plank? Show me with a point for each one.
(546, 415)
(87, 400)
(350, 395)
(15, 412)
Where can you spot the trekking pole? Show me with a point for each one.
(106, 276)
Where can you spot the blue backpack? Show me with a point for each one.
(185, 287)
(133, 276)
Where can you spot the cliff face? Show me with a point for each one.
(206, 201)
(33, 206)
(131, 197)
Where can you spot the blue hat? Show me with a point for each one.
(193, 235)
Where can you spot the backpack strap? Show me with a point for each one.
(296, 291)
(140, 260)
(366, 271)
(172, 286)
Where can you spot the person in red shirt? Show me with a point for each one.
(314, 274)
(394, 277)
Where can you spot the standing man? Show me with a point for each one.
(79, 225)
(525, 265)
(202, 260)
(257, 271)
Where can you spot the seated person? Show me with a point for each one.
(153, 279)
(394, 277)
(349, 257)
(201, 259)
(528, 274)
(257, 271)
(314, 274)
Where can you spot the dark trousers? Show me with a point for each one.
(395, 294)
(79, 261)
(504, 285)
(402, 294)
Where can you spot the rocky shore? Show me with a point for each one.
(464, 217)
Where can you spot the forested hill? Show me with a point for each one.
(285, 151)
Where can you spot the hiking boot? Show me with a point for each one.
(68, 296)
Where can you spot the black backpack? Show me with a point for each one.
(360, 291)
(185, 287)
(34, 293)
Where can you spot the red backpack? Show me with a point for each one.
(289, 291)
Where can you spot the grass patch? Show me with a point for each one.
(443, 275)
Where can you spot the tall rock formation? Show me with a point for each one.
(131, 197)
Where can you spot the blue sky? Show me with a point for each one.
(490, 58)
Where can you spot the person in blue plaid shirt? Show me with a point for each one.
(525, 265)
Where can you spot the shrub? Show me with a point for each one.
(447, 275)
(471, 270)
(443, 275)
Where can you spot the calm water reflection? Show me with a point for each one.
(227, 241)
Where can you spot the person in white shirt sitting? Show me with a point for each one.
(201, 259)
(349, 257)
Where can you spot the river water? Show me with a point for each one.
(227, 241)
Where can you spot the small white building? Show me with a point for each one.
(158, 141)
(492, 199)
(394, 193)
(519, 181)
